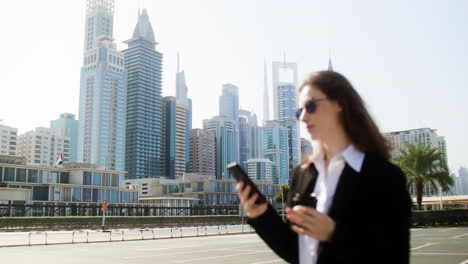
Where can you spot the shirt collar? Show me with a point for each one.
(352, 156)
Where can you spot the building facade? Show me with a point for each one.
(144, 133)
(182, 99)
(224, 131)
(8, 140)
(398, 139)
(174, 137)
(229, 107)
(306, 148)
(67, 126)
(66, 185)
(274, 138)
(259, 170)
(42, 147)
(249, 139)
(103, 92)
(285, 102)
(202, 152)
(209, 191)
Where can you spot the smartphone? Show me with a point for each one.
(304, 199)
(240, 175)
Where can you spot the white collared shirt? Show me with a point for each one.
(325, 188)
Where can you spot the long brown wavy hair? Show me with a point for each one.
(356, 120)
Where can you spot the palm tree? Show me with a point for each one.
(424, 165)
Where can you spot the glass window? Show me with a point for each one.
(1, 173)
(87, 178)
(9, 174)
(66, 194)
(95, 195)
(76, 195)
(105, 179)
(21, 175)
(55, 193)
(106, 195)
(43, 176)
(53, 177)
(40, 193)
(64, 177)
(114, 196)
(86, 195)
(125, 197)
(115, 180)
(96, 178)
(32, 176)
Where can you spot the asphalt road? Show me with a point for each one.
(428, 245)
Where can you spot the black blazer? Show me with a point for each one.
(371, 209)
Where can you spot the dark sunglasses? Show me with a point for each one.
(310, 107)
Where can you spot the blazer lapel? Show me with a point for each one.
(344, 190)
(309, 179)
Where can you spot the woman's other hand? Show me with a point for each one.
(253, 210)
(307, 221)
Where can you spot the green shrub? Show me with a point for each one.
(441, 217)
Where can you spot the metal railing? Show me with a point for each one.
(91, 209)
(11, 239)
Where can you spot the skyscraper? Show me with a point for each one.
(202, 152)
(103, 92)
(229, 107)
(174, 137)
(330, 65)
(249, 143)
(285, 105)
(223, 128)
(42, 147)
(143, 155)
(8, 140)
(182, 98)
(275, 147)
(67, 126)
(266, 98)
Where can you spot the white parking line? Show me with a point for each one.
(460, 235)
(425, 245)
(445, 230)
(201, 245)
(417, 235)
(269, 261)
(445, 254)
(225, 256)
(190, 252)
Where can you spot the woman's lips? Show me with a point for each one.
(309, 126)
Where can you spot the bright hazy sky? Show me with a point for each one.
(408, 59)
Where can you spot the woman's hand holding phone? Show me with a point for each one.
(248, 203)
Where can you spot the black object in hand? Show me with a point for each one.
(304, 199)
(240, 175)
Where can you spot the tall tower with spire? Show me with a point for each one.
(266, 98)
(103, 92)
(330, 66)
(182, 99)
(285, 103)
(144, 157)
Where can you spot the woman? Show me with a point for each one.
(362, 209)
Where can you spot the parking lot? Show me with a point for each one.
(428, 245)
